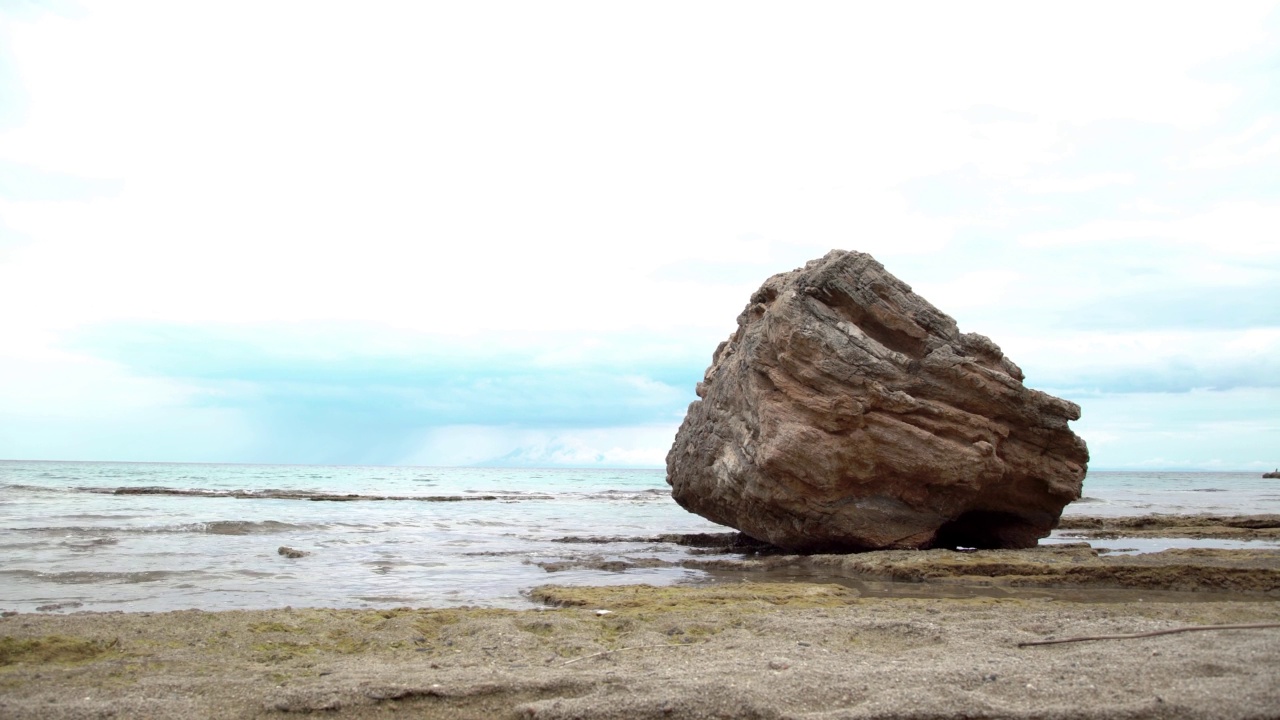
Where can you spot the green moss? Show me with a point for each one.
(541, 628)
(52, 649)
(683, 614)
(335, 641)
(634, 599)
(380, 617)
(702, 630)
(264, 627)
(431, 622)
(340, 641)
(612, 630)
(273, 652)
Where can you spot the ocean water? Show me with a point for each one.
(1120, 494)
(161, 536)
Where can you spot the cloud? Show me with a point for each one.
(508, 446)
(1202, 430)
(72, 407)
(27, 9)
(22, 182)
(361, 228)
(1166, 374)
(1208, 308)
(1258, 143)
(12, 93)
(992, 115)
(356, 394)
(1170, 361)
(1241, 229)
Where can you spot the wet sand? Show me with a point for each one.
(876, 635)
(1053, 566)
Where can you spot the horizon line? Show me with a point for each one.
(490, 466)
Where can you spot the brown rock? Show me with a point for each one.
(848, 413)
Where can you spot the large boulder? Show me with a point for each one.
(848, 413)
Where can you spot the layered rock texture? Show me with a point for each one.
(848, 413)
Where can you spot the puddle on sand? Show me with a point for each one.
(1142, 545)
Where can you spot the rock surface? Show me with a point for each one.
(848, 413)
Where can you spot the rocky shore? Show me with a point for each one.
(890, 634)
(1222, 527)
(1072, 565)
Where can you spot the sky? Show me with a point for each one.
(513, 233)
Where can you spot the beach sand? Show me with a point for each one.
(753, 649)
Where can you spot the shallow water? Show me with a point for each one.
(1115, 494)
(1136, 546)
(206, 536)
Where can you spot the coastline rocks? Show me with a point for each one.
(847, 413)
(1271, 475)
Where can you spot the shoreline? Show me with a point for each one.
(731, 650)
(1062, 565)
(887, 634)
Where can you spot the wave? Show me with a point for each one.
(388, 599)
(645, 495)
(508, 496)
(243, 527)
(86, 577)
(87, 544)
(312, 495)
(216, 527)
(32, 488)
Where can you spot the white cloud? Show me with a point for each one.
(78, 408)
(975, 289)
(1082, 183)
(1239, 228)
(643, 446)
(1258, 143)
(65, 385)
(1081, 360)
(1231, 430)
(523, 178)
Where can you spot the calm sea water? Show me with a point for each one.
(206, 536)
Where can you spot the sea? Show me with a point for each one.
(106, 536)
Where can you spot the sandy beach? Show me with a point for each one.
(886, 635)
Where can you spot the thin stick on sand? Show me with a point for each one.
(1192, 628)
(633, 647)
